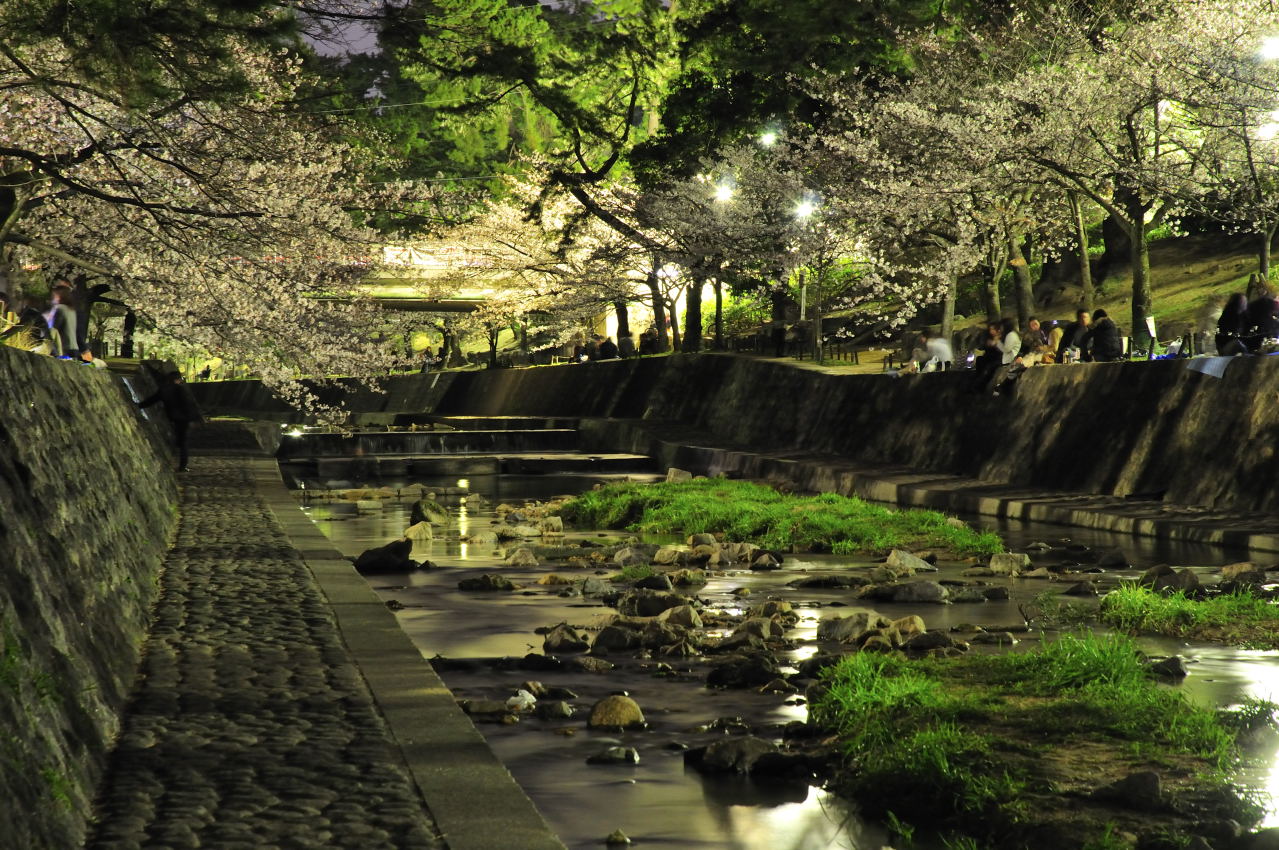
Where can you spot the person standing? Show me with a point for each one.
(62, 322)
(181, 409)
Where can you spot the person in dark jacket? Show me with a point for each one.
(179, 407)
(1073, 333)
(1262, 321)
(1232, 326)
(607, 349)
(1102, 341)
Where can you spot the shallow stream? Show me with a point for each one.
(657, 803)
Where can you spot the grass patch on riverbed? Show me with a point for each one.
(745, 511)
(993, 744)
(1236, 618)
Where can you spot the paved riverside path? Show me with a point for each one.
(280, 706)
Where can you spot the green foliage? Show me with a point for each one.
(943, 732)
(746, 511)
(742, 314)
(1108, 840)
(634, 573)
(1235, 617)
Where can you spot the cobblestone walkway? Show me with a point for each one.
(250, 727)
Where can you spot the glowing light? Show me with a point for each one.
(768, 139)
(464, 483)
(804, 209)
(723, 192)
(1269, 48)
(296, 432)
(1270, 130)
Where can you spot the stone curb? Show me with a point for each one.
(473, 798)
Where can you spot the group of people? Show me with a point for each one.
(58, 325)
(1248, 327)
(600, 347)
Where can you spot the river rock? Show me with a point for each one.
(673, 474)
(920, 591)
(1112, 558)
(589, 664)
(419, 531)
(733, 755)
(1001, 638)
(682, 615)
(648, 603)
(833, 582)
(596, 586)
(428, 510)
(487, 581)
(617, 838)
(997, 593)
(631, 557)
(847, 628)
(655, 582)
(614, 639)
(743, 671)
(616, 712)
(482, 538)
(485, 708)
(564, 638)
(521, 557)
(688, 578)
(670, 556)
(1038, 546)
(903, 563)
(1081, 588)
(554, 580)
(554, 710)
(1172, 667)
(1038, 572)
(1184, 579)
(929, 640)
(771, 608)
(765, 561)
(1142, 790)
(761, 627)
(1008, 563)
(551, 525)
(695, 540)
(1230, 572)
(615, 755)
(391, 558)
(962, 595)
(909, 626)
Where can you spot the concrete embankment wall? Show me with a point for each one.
(1116, 429)
(396, 394)
(1097, 428)
(87, 507)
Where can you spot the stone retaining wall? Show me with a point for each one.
(1119, 429)
(87, 505)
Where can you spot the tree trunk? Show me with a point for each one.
(130, 325)
(623, 318)
(693, 316)
(1263, 254)
(815, 284)
(493, 335)
(990, 295)
(1025, 288)
(1116, 237)
(948, 309)
(1087, 295)
(659, 308)
(719, 315)
(1142, 298)
(674, 314)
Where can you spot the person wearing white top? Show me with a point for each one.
(940, 354)
(1010, 342)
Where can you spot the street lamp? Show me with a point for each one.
(723, 193)
(804, 209)
(768, 139)
(1269, 48)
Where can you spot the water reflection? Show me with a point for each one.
(658, 802)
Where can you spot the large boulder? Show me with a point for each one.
(596, 586)
(428, 510)
(615, 639)
(551, 525)
(419, 531)
(648, 603)
(846, 629)
(682, 615)
(616, 712)
(1008, 563)
(902, 563)
(521, 557)
(631, 557)
(655, 582)
(564, 638)
(673, 474)
(391, 558)
(669, 556)
(920, 591)
(732, 755)
(743, 671)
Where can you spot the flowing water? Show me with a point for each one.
(659, 802)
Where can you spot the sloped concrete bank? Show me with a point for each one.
(1107, 429)
(87, 506)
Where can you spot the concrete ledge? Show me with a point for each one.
(472, 796)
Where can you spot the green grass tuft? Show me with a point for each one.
(742, 510)
(1234, 618)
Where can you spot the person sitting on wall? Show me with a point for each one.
(181, 409)
(1071, 336)
(1262, 320)
(1232, 325)
(625, 345)
(607, 349)
(86, 357)
(1101, 343)
(989, 358)
(1034, 338)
